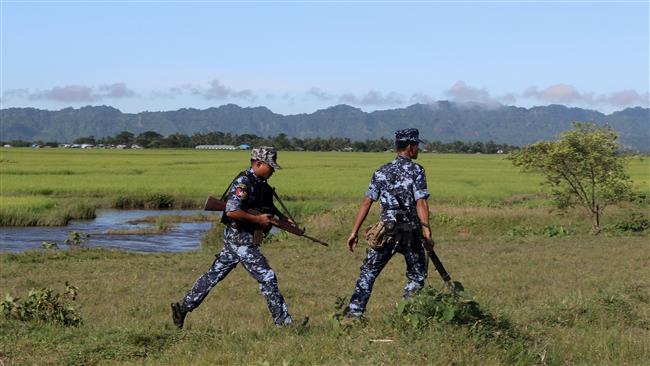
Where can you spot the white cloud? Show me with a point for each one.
(569, 94)
(68, 93)
(218, 91)
(625, 98)
(372, 97)
(461, 92)
(320, 94)
(73, 93)
(117, 90)
(558, 93)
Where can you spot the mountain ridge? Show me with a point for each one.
(443, 121)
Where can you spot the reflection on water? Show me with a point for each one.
(184, 236)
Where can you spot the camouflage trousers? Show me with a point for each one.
(376, 260)
(239, 247)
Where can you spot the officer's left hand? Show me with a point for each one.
(352, 241)
(428, 243)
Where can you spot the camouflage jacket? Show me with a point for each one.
(398, 185)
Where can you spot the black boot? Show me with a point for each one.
(178, 314)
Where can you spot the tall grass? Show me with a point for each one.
(37, 211)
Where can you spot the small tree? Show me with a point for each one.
(582, 168)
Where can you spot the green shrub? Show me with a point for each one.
(43, 305)
(635, 222)
(430, 307)
(552, 231)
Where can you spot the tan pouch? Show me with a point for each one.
(374, 235)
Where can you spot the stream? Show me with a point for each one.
(183, 236)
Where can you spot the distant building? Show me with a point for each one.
(216, 147)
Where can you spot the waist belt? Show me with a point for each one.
(400, 227)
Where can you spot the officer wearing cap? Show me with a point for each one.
(401, 188)
(249, 190)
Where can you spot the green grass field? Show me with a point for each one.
(573, 298)
(37, 180)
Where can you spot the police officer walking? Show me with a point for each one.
(249, 190)
(401, 188)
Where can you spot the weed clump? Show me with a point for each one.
(431, 307)
(44, 306)
(77, 239)
(634, 223)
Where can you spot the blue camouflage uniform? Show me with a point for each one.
(397, 185)
(244, 192)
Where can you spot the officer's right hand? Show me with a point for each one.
(352, 241)
(264, 220)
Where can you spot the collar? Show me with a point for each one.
(402, 157)
(253, 176)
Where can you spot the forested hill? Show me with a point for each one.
(442, 121)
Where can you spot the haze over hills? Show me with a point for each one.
(442, 121)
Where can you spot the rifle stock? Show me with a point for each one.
(213, 204)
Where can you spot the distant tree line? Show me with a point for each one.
(152, 139)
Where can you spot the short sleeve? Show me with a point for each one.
(238, 194)
(373, 188)
(420, 184)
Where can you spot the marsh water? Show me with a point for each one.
(183, 236)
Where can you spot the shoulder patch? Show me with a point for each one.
(240, 191)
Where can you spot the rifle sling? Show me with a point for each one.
(283, 206)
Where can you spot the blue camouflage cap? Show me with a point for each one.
(267, 155)
(408, 135)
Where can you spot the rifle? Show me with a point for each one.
(213, 204)
(439, 267)
(436, 261)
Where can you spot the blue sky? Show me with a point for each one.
(303, 56)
